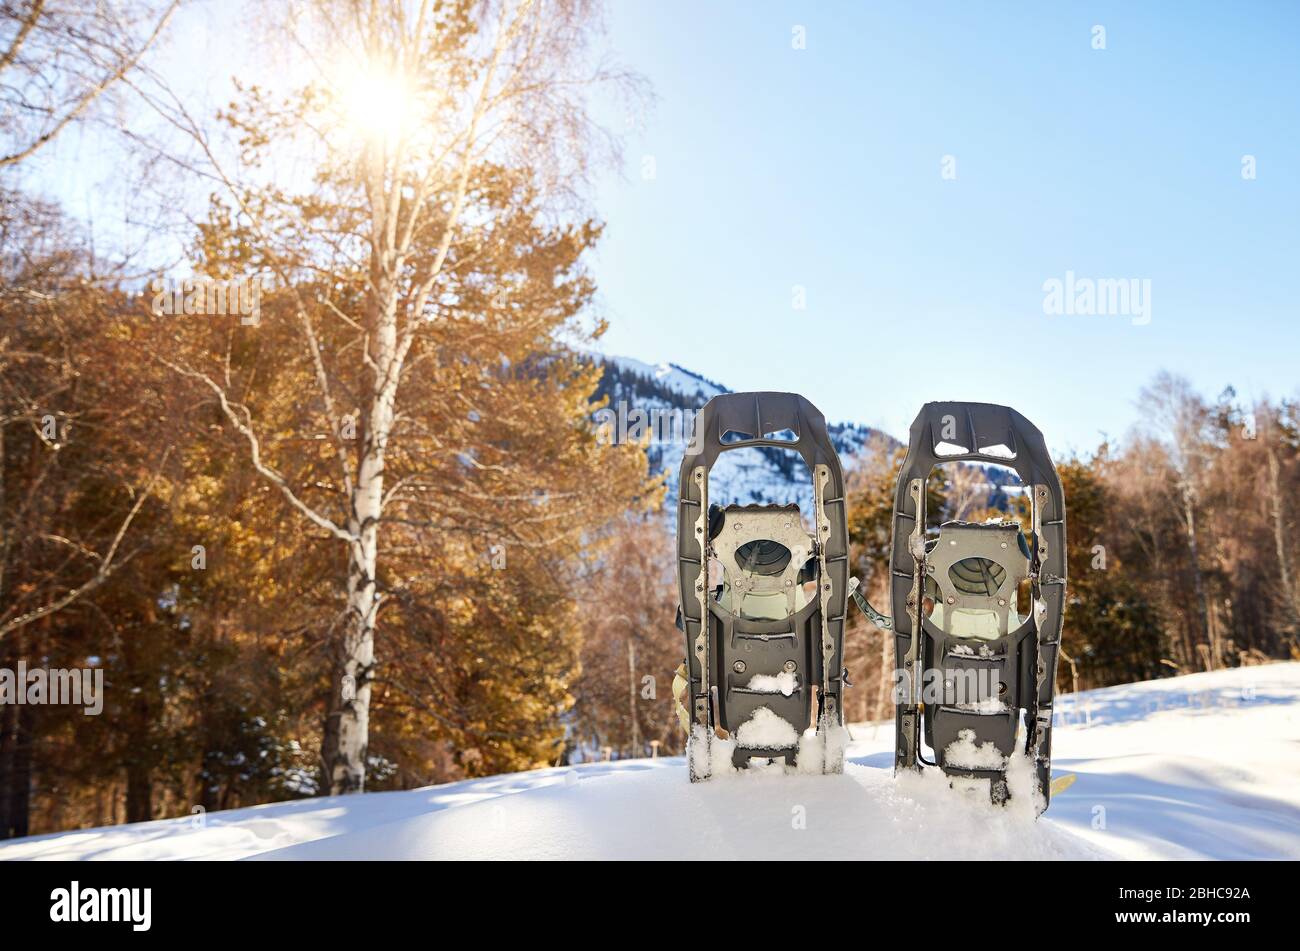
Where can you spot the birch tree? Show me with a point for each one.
(445, 146)
(1179, 418)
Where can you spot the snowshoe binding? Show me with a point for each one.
(764, 637)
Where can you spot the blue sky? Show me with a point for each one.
(820, 168)
(776, 167)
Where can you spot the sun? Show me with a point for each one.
(377, 103)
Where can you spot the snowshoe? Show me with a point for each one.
(764, 637)
(970, 664)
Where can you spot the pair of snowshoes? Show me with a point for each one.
(976, 609)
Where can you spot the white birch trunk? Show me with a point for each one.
(348, 739)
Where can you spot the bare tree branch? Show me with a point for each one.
(255, 453)
(93, 93)
(107, 565)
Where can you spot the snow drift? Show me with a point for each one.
(1201, 766)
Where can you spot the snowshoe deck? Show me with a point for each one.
(973, 665)
(764, 647)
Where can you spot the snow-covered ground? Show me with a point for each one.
(1203, 766)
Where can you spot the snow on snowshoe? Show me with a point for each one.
(764, 641)
(970, 665)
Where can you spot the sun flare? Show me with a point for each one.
(377, 103)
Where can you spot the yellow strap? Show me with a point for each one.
(1061, 783)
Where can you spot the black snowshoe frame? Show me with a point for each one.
(1019, 657)
(725, 648)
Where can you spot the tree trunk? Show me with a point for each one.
(139, 793)
(16, 786)
(886, 682)
(1194, 556)
(348, 730)
(1216, 638)
(631, 689)
(8, 728)
(863, 693)
(1292, 606)
(20, 784)
(15, 756)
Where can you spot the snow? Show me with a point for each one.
(814, 751)
(987, 706)
(698, 751)
(785, 683)
(1022, 782)
(678, 379)
(965, 650)
(721, 751)
(1197, 767)
(765, 730)
(711, 756)
(965, 753)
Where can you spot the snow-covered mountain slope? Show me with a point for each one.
(742, 476)
(1202, 766)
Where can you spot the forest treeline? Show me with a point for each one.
(215, 609)
(362, 533)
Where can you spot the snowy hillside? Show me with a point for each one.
(742, 476)
(1202, 766)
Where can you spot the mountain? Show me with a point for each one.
(1201, 766)
(667, 395)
